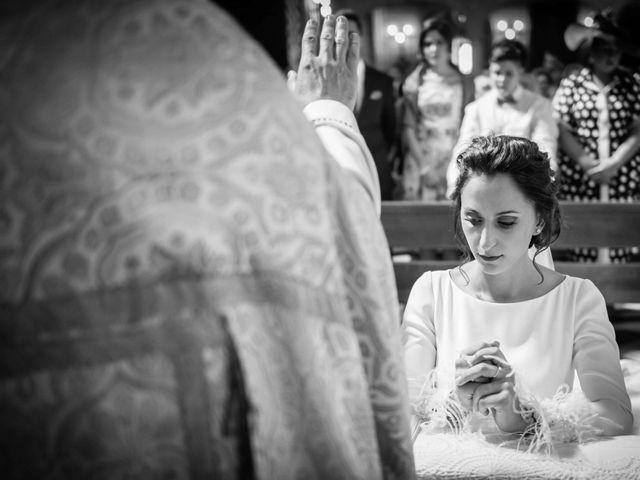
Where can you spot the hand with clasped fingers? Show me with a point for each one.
(605, 170)
(485, 383)
(332, 73)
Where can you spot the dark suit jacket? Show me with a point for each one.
(377, 122)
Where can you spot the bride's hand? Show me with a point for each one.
(481, 364)
(486, 384)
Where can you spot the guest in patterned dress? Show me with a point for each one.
(435, 95)
(598, 111)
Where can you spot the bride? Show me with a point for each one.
(501, 335)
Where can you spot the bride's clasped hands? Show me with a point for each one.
(485, 383)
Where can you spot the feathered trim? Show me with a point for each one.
(567, 417)
(437, 409)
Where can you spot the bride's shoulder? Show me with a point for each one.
(433, 281)
(460, 275)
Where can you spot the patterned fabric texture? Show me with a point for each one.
(579, 104)
(576, 105)
(433, 108)
(449, 456)
(190, 286)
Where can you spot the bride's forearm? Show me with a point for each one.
(612, 418)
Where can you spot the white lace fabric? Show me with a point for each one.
(451, 443)
(477, 456)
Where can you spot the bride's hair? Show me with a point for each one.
(529, 168)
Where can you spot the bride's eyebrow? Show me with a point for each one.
(469, 210)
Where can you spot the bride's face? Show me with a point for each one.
(498, 222)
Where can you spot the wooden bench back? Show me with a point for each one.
(419, 225)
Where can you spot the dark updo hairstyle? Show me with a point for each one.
(436, 24)
(527, 166)
(512, 50)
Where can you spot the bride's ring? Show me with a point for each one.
(497, 371)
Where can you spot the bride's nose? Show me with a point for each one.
(487, 238)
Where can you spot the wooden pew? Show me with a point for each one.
(418, 225)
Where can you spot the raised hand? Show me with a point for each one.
(332, 72)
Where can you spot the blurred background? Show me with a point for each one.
(391, 28)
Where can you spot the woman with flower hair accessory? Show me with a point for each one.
(598, 114)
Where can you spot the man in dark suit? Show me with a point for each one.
(375, 112)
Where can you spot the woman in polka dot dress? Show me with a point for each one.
(598, 111)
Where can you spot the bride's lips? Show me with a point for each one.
(487, 258)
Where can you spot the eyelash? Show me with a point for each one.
(505, 225)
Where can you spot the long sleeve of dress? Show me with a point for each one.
(596, 355)
(561, 104)
(418, 333)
